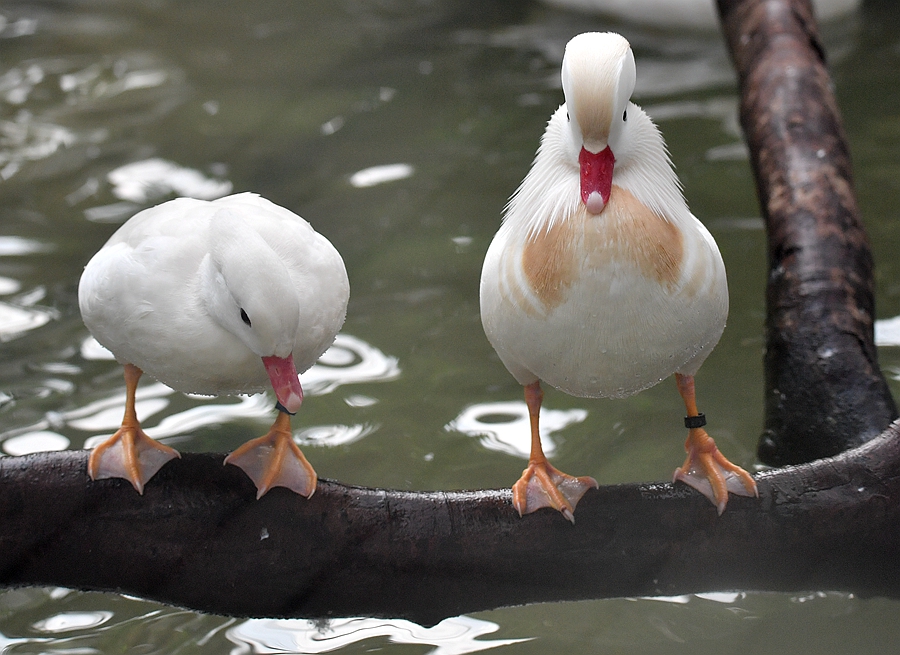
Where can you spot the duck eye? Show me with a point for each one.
(567, 117)
(625, 115)
(245, 318)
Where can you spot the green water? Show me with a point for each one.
(290, 99)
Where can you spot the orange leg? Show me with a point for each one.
(705, 468)
(129, 453)
(541, 485)
(274, 460)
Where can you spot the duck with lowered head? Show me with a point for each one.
(228, 296)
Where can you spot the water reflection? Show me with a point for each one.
(146, 182)
(689, 14)
(887, 331)
(40, 441)
(333, 435)
(669, 64)
(454, 636)
(154, 179)
(726, 598)
(67, 621)
(25, 139)
(9, 285)
(723, 109)
(12, 246)
(380, 174)
(350, 360)
(15, 320)
(506, 427)
(44, 98)
(21, 313)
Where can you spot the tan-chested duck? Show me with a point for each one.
(600, 282)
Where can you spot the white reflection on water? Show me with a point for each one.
(8, 285)
(453, 636)
(14, 321)
(11, 245)
(380, 175)
(153, 179)
(72, 621)
(505, 426)
(349, 360)
(25, 139)
(887, 332)
(333, 435)
(21, 313)
(726, 598)
(41, 441)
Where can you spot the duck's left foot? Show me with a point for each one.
(708, 471)
(274, 460)
(129, 454)
(541, 485)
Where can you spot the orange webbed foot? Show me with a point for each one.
(542, 485)
(708, 471)
(129, 454)
(274, 460)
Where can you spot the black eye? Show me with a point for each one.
(245, 318)
(625, 115)
(567, 116)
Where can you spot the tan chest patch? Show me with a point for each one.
(625, 233)
(548, 261)
(630, 232)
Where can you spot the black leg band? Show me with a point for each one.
(691, 422)
(282, 408)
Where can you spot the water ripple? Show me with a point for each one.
(506, 427)
(453, 636)
(333, 435)
(350, 360)
(15, 321)
(44, 101)
(153, 179)
(887, 331)
(380, 174)
(67, 621)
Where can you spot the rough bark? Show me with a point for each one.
(824, 391)
(199, 539)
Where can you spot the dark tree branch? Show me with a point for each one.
(199, 539)
(824, 390)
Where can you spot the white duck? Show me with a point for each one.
(221, 297)
(600, 281)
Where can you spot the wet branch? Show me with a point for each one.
(199, 539)
(824, 390)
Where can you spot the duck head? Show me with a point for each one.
(598, 77)
(247, 289)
